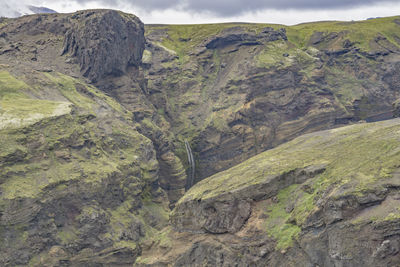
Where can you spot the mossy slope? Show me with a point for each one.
(360, 165)
(359, 154)
(72, 160)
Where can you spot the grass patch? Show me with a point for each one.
(280, 55)
(359, 32)
(11, 86)
(67, 235)
(67, 88)
(19, 112)
(277, 224)
(17, 109)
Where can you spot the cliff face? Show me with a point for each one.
(95, 115)
(235, 90)
(329, 198)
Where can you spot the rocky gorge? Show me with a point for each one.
(124, 144)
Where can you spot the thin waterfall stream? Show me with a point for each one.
(192, 166)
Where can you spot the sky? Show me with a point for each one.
(288, 12)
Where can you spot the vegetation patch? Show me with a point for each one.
(17, 109)
(277, 223)
(280, 55)
(359, 32)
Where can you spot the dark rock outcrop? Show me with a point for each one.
(241, 37)
(396, 109)
(105, 42)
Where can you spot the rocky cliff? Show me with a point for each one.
(98, 111)
(105, 43)
(235, 90)
(79, 185)
(329, 198)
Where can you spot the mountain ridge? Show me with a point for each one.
(94, 122)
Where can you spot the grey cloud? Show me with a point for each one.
(148, 5)
(237, 7)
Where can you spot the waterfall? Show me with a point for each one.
(192, 166)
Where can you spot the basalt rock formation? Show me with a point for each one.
(105, 42)
(105, 123)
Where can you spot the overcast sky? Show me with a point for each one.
(210, 11)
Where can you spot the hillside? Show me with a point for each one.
(235, 90)
(328, 198)
(98, 113)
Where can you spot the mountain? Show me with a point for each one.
(41, 10)
(17, 10)
(155, 145)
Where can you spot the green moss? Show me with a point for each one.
(277, 224)
(142, 260)
(161, 111)
(125, 244)
(19, 112)
(9, 85)
(93, 91)
(127, 16)
(3, 22)
(66, 85)
(159, 239)
(67, 235)
(393, 216)
(164, 239)
(345, 85)
(16, 103)
(147, 56)
(359, 32)
(122, 214)
(281, 55)
(151, 217)
(17, 109)
(219, 123)
(9, 148)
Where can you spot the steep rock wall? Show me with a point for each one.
(105, 42)
(338, 210)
